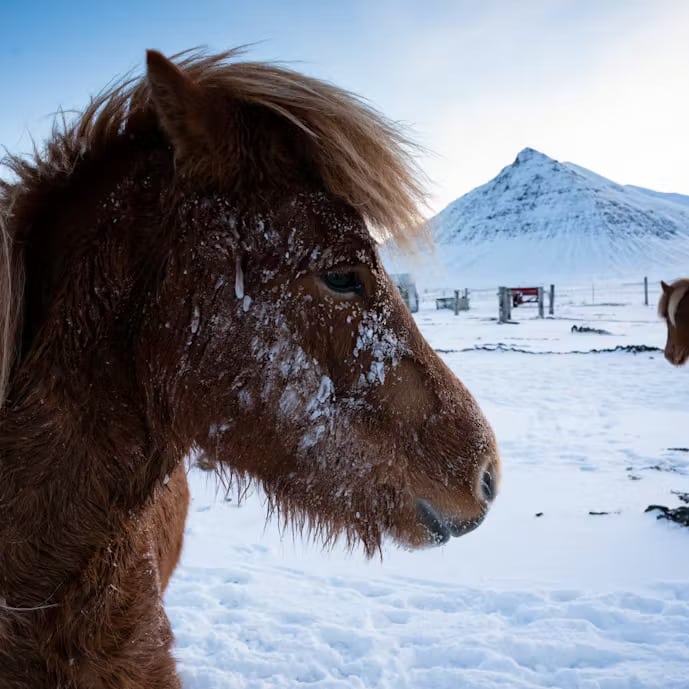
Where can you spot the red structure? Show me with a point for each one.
(524, 295)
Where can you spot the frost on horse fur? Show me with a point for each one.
(189, 268)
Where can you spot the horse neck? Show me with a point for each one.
(78, 456)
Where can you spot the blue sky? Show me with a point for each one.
(604, 84)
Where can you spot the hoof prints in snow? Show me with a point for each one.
(260, 629)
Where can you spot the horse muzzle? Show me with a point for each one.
(441, 527)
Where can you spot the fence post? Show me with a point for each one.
(456, 302)
(646, 291)
(540, 302)
(505, 304)
(551, 301)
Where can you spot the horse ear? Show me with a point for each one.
(666, 288)
(178, 103)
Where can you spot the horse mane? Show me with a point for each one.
(669, 303)
(361, 157)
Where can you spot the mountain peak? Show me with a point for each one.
(540, 216)
(527, 154)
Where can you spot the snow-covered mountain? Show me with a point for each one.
(542, 220)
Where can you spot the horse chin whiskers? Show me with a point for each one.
(324, 530)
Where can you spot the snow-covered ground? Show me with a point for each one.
(566, 599)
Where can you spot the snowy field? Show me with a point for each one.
(566, 599)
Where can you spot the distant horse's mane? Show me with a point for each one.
(360, 156)
(669, 301)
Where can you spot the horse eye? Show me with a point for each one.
(343, 283)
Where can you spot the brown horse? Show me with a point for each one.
(189, 268)
(674, 308)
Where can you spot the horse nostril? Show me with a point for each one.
(487, 486)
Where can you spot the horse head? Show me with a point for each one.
(674, 308)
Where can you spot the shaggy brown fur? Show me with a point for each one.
(188, 267)
(674, 308)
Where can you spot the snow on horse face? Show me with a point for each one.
(674, 308)
(334, 400)
(189, 267)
